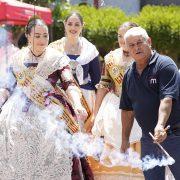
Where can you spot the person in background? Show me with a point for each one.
(151, 94)
(7, 48)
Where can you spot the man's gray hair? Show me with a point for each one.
(136, 31)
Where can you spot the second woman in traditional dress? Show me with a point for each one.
(107, 120)
(84, 58)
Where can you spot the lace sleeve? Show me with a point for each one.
(66, 77)
(69, 85)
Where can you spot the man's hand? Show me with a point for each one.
(127, 119)
(159, 133)
(124, 146)
(164, 113)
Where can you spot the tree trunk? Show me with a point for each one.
(96, 3)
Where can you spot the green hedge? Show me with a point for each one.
(161, 22)
(163, 25)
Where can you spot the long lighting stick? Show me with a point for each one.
(165, 152)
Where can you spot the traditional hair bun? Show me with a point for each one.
(33, 21)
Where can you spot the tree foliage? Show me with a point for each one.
(161, 22)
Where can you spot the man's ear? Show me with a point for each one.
(149, 41)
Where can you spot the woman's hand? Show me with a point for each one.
(81, 113)
(89, 123)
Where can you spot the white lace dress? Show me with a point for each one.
(33, 145)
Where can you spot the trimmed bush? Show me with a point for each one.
(163, 25)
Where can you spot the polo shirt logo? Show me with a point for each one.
(153, 81)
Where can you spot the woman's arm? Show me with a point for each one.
(94, 71)
(73, 92)
(102, 89)
(101, 93)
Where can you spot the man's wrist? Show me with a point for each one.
(125, 139)
(161, 125)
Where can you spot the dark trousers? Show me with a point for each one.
(172, 146)
(81, 169)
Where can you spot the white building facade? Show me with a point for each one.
(128, 6)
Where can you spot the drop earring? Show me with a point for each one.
(29, 44)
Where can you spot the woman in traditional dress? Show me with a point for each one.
(106, 118)
(84, 64)
(84, 58)
(40, 95)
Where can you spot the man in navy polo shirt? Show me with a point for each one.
(151, 94)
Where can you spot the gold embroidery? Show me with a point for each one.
(36, 86)
(115, 69)
(116, 72)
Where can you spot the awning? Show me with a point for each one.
(14, 12)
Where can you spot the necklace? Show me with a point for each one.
(36, 55)
(36, 58)
(72, 48)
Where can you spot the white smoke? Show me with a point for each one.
(132, 158)
(149, 162)
(86, 145)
